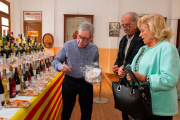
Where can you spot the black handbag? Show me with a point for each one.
(133, 99)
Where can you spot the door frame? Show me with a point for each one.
(31, 22)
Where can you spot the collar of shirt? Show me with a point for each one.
(129, 39)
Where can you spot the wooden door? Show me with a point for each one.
(34, 26)
(178, 34)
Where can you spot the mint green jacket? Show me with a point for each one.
(161, 63)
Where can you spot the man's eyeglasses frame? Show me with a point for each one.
(84, 38)
(126, 26)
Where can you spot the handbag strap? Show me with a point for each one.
(133, 77)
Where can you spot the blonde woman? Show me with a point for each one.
(157, 63)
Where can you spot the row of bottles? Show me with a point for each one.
(14, 47)
(22, 78)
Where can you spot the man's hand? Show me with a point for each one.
(121, 72)
(115, 68)
(65, 68)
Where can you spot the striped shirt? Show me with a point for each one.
(76, 57)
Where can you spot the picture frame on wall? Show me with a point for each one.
(114, 29)
(71, 24)
(32, 15)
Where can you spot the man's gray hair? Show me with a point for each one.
(87, 26)
(134, 16)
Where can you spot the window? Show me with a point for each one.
(4, 17)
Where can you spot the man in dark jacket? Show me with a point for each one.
(129, 44)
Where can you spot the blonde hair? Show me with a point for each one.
(157, 26)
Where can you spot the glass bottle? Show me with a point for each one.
(19, 49)
(28, 74)
(12, 38)
(21, 78)
(12, 84)
(37, 68)
(31, 71)
(2, 96)
(34, 69)
(47, 64)
(10, 50)
(13, 48)
(41, 68)
(5, 83)
(7, 50)
(2, 48)
(27, 49)
(16, 78)
(25, 77)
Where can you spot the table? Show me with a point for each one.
(45, 106)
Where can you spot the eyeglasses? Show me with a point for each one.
(122, 26)
(83, 38)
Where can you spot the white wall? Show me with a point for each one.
(104, 11)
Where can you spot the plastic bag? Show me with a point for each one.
(92, 72)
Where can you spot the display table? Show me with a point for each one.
(45, 106)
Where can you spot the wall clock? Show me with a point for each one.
(48, 40)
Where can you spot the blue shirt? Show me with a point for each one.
(76, 57)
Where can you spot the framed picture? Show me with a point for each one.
(71, 24)
(32, 15)
(114, 29)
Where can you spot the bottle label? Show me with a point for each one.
(32, 78)
(8, 87)
(22, 79)
(41, 73)
(13, 91)
(2, 97)
(34, 71)
(26, 83)
(17, 87)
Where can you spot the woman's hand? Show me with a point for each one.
(141, 78)
(65, 68)
(121, 73)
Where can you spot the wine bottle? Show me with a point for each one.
(10, 50)
(28, 74)
(37, 68)
(21, 78)
(13, 48)
(12, 37)
(12, 84)
(25, 77)
(19, 49)
(7, 50)
(49, 62)
(41, 68)
(2, 96)
(31, 71)
(16, 78)
(5, 83)
(2, 48)
(34, 69)
(47, 65)
(8, 37)
(27, 49)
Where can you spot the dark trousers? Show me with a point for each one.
(71, 87)
(125, 116)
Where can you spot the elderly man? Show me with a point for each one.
(73, 55)
(129, 44)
